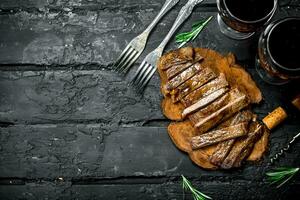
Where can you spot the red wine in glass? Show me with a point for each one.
(279, 51)
(240, 19)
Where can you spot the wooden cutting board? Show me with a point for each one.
(180, 131)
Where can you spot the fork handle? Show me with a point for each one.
(166, 7)
(184, 13)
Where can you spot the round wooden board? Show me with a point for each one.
(180, 132)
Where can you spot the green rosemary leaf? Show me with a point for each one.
(197, 27)
(281, 175)
(283, 182)
(183, 37)
(197, 195)
(184, 186)
(197, 24)
(202, 194)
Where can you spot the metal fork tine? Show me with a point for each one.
(145, 83)
(125, 57)
(137, 73)
(121, 56)
(129, 59)
(144, 77)
(142, 73)
(125, 70)
(126, 60)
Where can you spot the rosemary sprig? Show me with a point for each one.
(197, 195)
(184, 38)
(281, 175)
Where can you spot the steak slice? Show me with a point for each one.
(177, 57)
(177, 69)
(219, 135)
(224, 147)
(204, 120)
(193, 83)
(182, 77)
(242, 147)
(211, 108)
(205, 90)
(240, 117)
(201, 103)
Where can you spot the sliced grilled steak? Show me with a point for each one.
(193, 83)
(242, 147)
(177, 69)
(224, 147)
(221, 152)
(183, 76)
(240, 117)
(211, 108)
(236, 101)
(201, 103)
(205, 90)
(219, 135)
(180, 56)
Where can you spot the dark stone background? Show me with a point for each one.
(70, 128)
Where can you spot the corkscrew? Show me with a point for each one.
(284, 149)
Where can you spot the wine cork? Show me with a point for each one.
(296, 102)
(275, 118)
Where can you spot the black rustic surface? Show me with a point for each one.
(70, 128)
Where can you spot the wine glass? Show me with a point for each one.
(240, 19)
(277, 61)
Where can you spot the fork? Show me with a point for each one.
(134, 49)
(148, 66)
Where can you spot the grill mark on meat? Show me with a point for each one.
(177, 57)
(174, 63)
(257, 135)
(213, 107)
(193, 83)
(242, 116)
(237, 101)
(242, 147)
(205, 90)
(223, 148)
(219, 135)
(177, 69)
(201, 103)
(182, 77)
